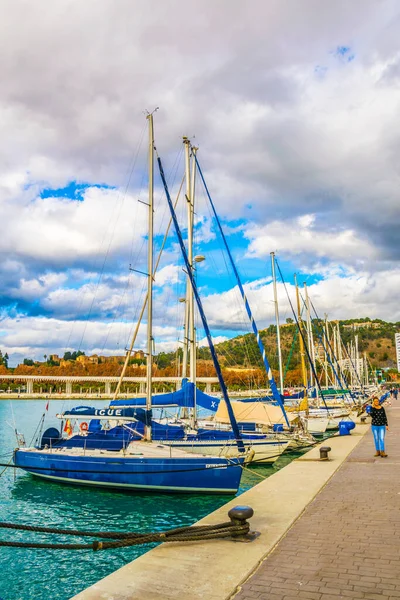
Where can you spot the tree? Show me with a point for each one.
(73, 355)
(289, 320)
(28, 362)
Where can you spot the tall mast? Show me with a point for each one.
(192, 325)
(326, 352)
(149, 364)
(310, 336)
(189, 313)
(278, 332)
(302, 351)
(185, 334)
(311, 345)
(357, 363)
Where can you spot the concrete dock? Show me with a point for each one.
(219, 569)
(347, 542)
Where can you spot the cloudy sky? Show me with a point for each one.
(294, 105)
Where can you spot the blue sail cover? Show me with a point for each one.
(113, 413)
(181, 398)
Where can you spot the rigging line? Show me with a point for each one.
(354, 368)
(327, 353)
(117, 312)
(234, 424)
(290, 354)
(121, 199)
(272, 383)
(130, 172)
(129, 352)
(333, 355)
(303, 338)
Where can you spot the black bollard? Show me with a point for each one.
(238, 516)
(323, 452)
(363, 419)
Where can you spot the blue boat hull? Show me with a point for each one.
(183, 475)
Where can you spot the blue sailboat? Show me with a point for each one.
(143, 465)
(126, 417)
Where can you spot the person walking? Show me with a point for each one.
(379, 426)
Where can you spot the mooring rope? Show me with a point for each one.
(234, 528)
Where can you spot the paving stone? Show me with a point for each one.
(346, 544)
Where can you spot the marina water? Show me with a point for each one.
(59, 574)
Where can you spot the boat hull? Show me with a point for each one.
(316, 425)
(183, 475)
(257, 451)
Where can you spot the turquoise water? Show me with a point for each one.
(59, 574)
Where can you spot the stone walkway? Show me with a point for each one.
(346, 544)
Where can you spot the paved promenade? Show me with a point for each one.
(346, 544)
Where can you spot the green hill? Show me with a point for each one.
(375, 340)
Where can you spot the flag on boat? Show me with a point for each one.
(68, 427)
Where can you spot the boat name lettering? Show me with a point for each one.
(103, 412)
(216, 466)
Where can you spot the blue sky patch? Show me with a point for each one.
(73, 191)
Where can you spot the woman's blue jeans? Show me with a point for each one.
(379, 432)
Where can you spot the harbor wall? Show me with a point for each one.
(214, 570)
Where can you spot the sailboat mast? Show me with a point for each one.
(310, 337)
(278, 331)
(302, 350)
(186, 336)
(149, 364)
(326, 333)
(189, 317)
(192, 325)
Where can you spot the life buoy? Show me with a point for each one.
(84, 426)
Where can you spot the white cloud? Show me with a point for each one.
(300, 238)
(294, 139)
(218, 339)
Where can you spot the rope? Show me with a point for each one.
(233, 528)
(6, 466)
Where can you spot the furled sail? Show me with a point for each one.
(185, 398)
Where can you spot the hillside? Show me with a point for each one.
(240, 357)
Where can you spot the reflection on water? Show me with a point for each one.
(58, 575)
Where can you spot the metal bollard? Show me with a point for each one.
(363, 419)
(323, 452)
(238, 516)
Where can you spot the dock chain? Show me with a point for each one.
(236, 528)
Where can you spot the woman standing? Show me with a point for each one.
(379, 426)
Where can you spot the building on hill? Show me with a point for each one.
(54, 358)
(366, 324)
(111, 359)
(87, 360)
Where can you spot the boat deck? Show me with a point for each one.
(139, 449)
(346, 544)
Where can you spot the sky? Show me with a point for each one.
(294, 106)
